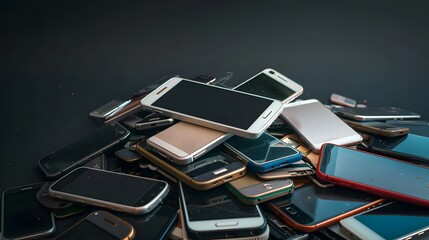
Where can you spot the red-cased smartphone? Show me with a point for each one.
(373, 173)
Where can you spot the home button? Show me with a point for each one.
(226, 224)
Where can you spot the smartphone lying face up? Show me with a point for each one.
(99, 225)
(116, 191)
(373, 173)
(22, 216)
(211, 170)
(214, 107)
(71, 156)
(262, 154)
(215, 213)
(309, 207)
(394, 220)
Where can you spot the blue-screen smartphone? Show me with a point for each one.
(262, 154)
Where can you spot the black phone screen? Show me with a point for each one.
(216, 203)
(23, 215)
(375, 171)
(109, 186)
(310, 205)
(214, 103)
(264, 85)
(395, 220)
(262, 150)
(86, 230)
(409, 144)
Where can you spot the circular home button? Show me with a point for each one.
(226, 224)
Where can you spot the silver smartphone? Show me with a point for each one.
(376, 113)
(394, 220)
(184, 142)
(216, 213)
(222, 109)
(317, 125)
(116, 191)
(272, 84)
(109, 109)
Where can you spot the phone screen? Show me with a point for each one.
(108, 186)
(375, 171)
(215, 204)
(75, 152)
(262, 150)
(83, 229)
(214, 104)
(310, 205)
(409, 144)
(23, 215)
(264, 85)
(395, 220)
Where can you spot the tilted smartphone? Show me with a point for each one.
(316, 125)
(215, 213)
(251, 190)
(412, 148)
(342, 101)
(116, 191)
(272, 84)
(213, 169)
(394, 220)
(22, 216)
(373, 173)
(377, 128)
(154, 225)
(109, 108)
(213, 107)
(418, 127)
(309, 207)
(71, 156)
(99, 225)
(147, 120)
(375, 113)
(184, 142)
(262, 154)
(296, 169)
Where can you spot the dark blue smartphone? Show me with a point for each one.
(262, 154)
(411, 147)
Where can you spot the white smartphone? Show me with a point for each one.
(272, 84)
(216, 213)
(116, 191)
(317, 125)
(222, 109)
(184, 142)
(394, 220)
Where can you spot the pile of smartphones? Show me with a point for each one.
(194, 159)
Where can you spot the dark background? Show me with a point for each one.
(59, 60)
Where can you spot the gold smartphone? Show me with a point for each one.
(211, 170)
(252, 190)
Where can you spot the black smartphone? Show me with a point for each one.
(309, 207)
(116, 191)
(155, 225)
(375, 113)
(147, 120)
(411, 147)
(418, 127)
(128, 155)
(71, 156)
(99, 225)
(377, 128)
(22, 216)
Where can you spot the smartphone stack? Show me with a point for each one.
(197, 161)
